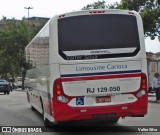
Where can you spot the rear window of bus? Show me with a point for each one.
(100, 36)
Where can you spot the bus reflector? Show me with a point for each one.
(141, 93)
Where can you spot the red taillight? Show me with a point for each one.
(143, 88)
(58, 93)
(143, 81)
(57, 87)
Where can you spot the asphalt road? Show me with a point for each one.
(15, 111)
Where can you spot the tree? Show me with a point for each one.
(148, 9)
(150, 13)
(13, 40)
(95, 5)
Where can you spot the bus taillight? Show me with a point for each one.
(143, 88)
(144, 81)
(58, 92)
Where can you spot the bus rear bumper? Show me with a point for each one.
(63, 112)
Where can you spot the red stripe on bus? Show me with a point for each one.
(100, 77)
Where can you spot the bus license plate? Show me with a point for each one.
(103, 99)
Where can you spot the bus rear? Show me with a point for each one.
(102, 66)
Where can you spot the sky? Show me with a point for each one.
(49, 8)
(41, 8)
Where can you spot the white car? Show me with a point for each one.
(18, 84)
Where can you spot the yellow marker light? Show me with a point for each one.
(58, 87)
(143, 81)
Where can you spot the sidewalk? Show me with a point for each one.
(19, 89)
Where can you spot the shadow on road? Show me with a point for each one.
(152, 101)
(85, 126)
(3, 94)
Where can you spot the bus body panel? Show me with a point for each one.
(135, 109)
(76, 79)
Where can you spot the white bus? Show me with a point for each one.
(89, 65)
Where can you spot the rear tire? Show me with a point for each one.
(32, 108)
(47, 123)
(114, 121)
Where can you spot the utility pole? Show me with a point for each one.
(28, 8)
(23, 62)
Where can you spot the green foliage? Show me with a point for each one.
(148, 9)
(13, 39)
(95, 5)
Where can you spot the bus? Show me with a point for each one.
(88, 65)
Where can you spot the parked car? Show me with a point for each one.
(5, 87)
